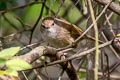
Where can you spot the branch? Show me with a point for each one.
(113, 6)
(37, 53)
(18, 7)
(46, 50)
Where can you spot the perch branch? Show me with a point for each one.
(46, 50)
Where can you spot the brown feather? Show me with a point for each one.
(73, 29)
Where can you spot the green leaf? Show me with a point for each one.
(118, 35)
(7, 53)
(11, 72)
(32, 13)
(2, 61)
(17, 64)
(2, 72)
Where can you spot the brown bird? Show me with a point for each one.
(59, 33)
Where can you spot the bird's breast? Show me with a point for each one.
(57, 37)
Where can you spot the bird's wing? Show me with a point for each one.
(73, 29)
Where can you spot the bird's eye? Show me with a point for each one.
(53, 24)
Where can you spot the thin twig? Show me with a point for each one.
(111, 14)
(38, 76)
(96, 43)
(116, 54)
(24, 75)
(41, 12)
(33, 44)
(115, 66)
(13, 34)
(50, 9)
(110, 25)
(61, 4)
(22, 23)
(17, 7)
(14, 26)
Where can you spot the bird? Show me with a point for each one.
(59, 33)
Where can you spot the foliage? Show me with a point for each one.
(10, 65)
